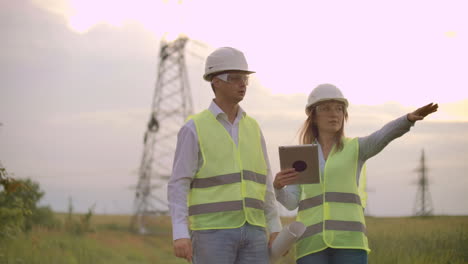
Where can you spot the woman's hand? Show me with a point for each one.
(422, 112)
(285, 177)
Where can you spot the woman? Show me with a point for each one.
(332, 210)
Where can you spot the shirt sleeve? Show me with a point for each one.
(184, 169)
(371, 145)
(271, 208)
(289, 196)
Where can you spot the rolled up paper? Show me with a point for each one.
(285, 239)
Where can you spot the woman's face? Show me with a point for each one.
(330, 116)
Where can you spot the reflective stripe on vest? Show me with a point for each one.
(332, 210)
(336, 197)
(227, 179)
(230, 185)
(254, 203)
(334, 225)
(216, 180)
(255, 177)
(225, 206)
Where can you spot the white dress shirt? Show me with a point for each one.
(187, 162)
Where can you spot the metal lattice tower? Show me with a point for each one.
(423, 203)
(172, 104)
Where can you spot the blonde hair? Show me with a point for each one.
(309, 132)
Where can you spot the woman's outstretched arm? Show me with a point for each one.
(371, 145)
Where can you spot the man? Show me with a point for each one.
(221, 181)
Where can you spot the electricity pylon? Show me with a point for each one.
(423, 203)
(172, 104)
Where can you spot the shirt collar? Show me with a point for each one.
(216, 110)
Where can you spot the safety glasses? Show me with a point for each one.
(328, 108)
(234, 78)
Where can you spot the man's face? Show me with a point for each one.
(231, 86)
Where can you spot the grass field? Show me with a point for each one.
(438, 240)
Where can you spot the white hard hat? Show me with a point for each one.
(225, 59)
(324, 92)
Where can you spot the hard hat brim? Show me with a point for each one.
(309, 106)
(208, 76)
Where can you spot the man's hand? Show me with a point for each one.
(183, 249)
(422, 112)
(272, 238)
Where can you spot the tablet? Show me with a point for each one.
(303, 158)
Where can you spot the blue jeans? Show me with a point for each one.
(335, 256)
(246, 244)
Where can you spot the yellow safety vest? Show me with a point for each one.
(332, 210)
(229, 188)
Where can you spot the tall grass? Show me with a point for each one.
(111, 242)
(424, 240)
(440, 240)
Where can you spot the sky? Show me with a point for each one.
(77, 79)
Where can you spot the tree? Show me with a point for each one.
(11, 215)
(18, 206)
